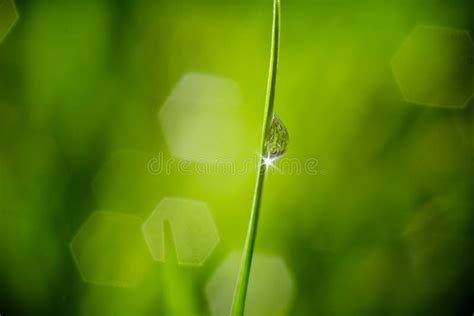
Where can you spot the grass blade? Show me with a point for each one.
(238, 305)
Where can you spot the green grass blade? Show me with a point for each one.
(238, 305)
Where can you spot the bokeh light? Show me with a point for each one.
(8, 17)
(109, 250)
(270, 288)
(435, 66)
(200, 119)
(192, 226)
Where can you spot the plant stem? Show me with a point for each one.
(238, 305)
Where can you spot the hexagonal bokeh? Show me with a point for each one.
(193, 230)
(8, 17)
(270, 286)
(434, 66)
(200, 119)
(109, 250)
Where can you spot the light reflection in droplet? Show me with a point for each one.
(276, 142)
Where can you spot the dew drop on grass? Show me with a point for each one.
(276, 142)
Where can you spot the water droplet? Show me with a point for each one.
(277, 139)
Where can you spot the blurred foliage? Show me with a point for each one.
(384, 228)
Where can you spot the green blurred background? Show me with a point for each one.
(384, 228)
